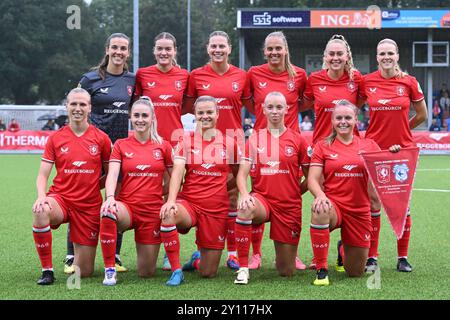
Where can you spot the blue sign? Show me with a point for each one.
(415, 19)
(274, 19)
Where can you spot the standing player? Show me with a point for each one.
(275, 155)
(337, 80)
(142, 159)
(390, 93)
(78, 151)
(278, 74)
(207, 156)
(227, 84)
(165, 84)
(342, 201)
(111, 86)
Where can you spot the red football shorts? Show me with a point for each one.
(84, 225)
(211, 228)
(285, 226)
(146, 224)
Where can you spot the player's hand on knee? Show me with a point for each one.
(110, 204)
(246, 202)
(321, 205)
(40, 203)
(168, 209)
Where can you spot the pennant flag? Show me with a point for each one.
(393, 175)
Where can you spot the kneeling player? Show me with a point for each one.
(275, 155)
(78, 151)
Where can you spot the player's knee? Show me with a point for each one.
(247, 214)
(285, 271)
(320, 218)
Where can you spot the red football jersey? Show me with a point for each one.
(325, 92)
(229, 89)
(389, 101)
(142, 168)
(166, 91)
(275, 166)
(345, 175)
(263, 81)
(78, 162)
(207, 168)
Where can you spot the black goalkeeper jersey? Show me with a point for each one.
(110, 99)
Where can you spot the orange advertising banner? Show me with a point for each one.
(370, 19)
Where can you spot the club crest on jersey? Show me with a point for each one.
(401, 172)
(235, 86)
(351, 86)
(157, 154)
(383, 175)
(178, 85)
(289, 151)
(400, 91)
(93, 149)
(129, 90)
(291, 85)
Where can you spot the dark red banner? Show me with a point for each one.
(392, 175)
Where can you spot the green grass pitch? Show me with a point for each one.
(429, 253)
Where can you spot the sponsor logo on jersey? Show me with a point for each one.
(384, 101)
(157, 154)
(289, 151)
(273, 164)
(372, 90)
(130, 90)
(383, 175)
(178, 85)
(142, 167)
(323, 89)
(151, 84)
(401, 172)
(351, 86)
(400, 91)
(93, 149)
(104, 90)
(262, 85)
(219, 100)
(235, 86)
(118, 104)
(79, 163)
(129, 155)
(349, 167)
(291, 85)
(165, 96)
(64, 150)
(206, 86)
(208, 166)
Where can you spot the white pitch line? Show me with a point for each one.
(443, 169)
(432, 190)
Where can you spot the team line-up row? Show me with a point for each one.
(209, 196)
